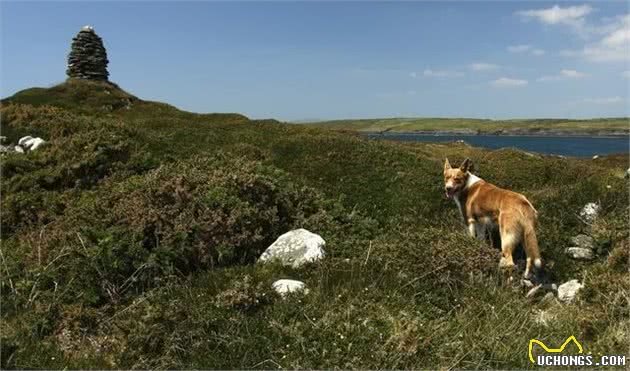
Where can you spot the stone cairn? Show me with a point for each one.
(88, 57)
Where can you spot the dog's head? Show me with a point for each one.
(455, 178)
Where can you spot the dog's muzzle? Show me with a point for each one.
(450, 192)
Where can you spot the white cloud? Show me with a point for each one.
(441, 73)
(571, 15)
(605, 100)
(626, 74)
(519, 48)
(483, 66)
(608, 40)
(525, 48)
(505, 82)
(600, 53)
(572, 74)
(563, 75)
(617, 38)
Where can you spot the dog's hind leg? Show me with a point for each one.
(481, 231)
(509, 239)
(530, 243)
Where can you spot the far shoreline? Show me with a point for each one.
(446, 133)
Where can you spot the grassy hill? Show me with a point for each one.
(128, 241)
(604, 126)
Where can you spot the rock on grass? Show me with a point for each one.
(580, 253)
(568, 290)
(295, 248)
(285, 286)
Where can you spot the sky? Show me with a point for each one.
(332, 60)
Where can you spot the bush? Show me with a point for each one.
(34, 183)
(183, 217)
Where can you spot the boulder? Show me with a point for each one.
(568, 290)
(589, 212)
(24, 139)
(295, 248)
(29, 143)
(580, 253)
(583, 247)
(284, 287)
(583, 241)
(627, 174)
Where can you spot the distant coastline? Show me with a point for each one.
(556, 143)
(510, 132)
(613, 127)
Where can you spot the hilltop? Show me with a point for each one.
(468, 126)
(128, 241)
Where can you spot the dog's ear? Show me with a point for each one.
(467, 165)
(447, 165)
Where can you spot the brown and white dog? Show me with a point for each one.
(484, 206)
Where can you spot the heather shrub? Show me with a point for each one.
(126, 236)
(35, 184)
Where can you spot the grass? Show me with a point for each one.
(128, 241)
(482, 126)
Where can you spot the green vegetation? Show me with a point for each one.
(128, 241)
(606, 126)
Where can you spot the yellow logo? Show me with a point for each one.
(553, 350)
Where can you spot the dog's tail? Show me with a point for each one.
(534, 261)
(531, 206)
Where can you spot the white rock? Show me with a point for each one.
(19, 149)
(580, 253)
(627, 175)
(30, 144)
(295, 248)
(24, 139)
(568, 290)
(595, 157)
(590, 211)
(283, 287)
(584, 241)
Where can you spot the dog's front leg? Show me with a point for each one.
(472, 228)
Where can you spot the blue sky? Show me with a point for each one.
(325, 60)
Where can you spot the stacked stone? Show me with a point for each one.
(88, 57)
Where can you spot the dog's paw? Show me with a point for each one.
(506, 264)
